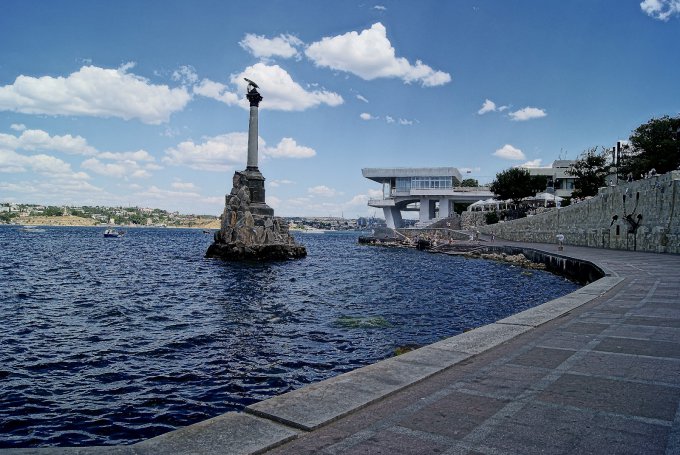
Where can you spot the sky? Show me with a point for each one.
(142, 103)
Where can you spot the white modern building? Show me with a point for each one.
(559, 182)
(431, 191)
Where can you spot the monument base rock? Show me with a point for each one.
(249, 231)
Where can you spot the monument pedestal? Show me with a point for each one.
(249, 229)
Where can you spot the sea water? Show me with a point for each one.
(114, 340)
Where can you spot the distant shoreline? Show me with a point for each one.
(75, 221)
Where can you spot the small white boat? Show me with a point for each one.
(312, 231)
(113, 233)
(32, 229)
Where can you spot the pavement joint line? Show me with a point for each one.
(637, 356)
(351, 441)
(600, 413)
(631, 381)
(424, 435)
(431, 437)
(371, 430)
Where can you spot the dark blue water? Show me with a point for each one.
(110, 341)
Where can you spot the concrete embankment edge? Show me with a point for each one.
(272, 422)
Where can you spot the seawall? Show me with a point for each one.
(640, 215)
(578, 270)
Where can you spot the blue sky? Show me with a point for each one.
(142, 103)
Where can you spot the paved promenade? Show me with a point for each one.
(593, 372)
(603, 378)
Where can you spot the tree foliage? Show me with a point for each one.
(654, 145)
(516, 183)
(469, 183)
(590, 170)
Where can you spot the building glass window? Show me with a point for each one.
(403, 184)
(427, 183)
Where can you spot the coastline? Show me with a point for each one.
(74, 221)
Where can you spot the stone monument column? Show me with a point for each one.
(252, 172)
(254, 97)
(249, 230)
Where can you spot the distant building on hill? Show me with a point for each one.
(559, 182)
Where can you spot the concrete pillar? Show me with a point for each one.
(427, 207)
(393, 217)
(444, 208)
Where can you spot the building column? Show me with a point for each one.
(427, 207)
(393, 217)
(444, 208)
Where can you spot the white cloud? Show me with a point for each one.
(185, 74)
(509, 152)
(157, 193)
(13, 162)
(322, 190)
(389, 119)
(278, 183)
(288, 148)
(223, 152)
(488, 106)
(183, 186)
(218, 153)
(119, 169)
(18, 126)
(661, 9)
(217, 91)
(282, 46)
(94, 91)
(38, 140)
(403, 121)
(370, 55)
(380, 8)
(361, 98)
(278, 89)
(281, 92)
(502, 108)
(532, 163)
(55, 191)
(367, 116)
(139, 155)
(527, 113)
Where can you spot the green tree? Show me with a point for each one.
(53, 211)
(653, 145)
(469, 183)
(6, 217)
(516, 183)
(590, 170)
(491, 217)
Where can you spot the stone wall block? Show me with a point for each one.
(248, 219)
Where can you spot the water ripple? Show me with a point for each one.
(110, 341)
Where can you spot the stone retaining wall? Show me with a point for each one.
(641, 215)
